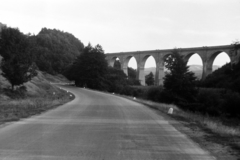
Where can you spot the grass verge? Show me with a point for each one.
(15, 109)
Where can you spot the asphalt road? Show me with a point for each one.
(97, 126)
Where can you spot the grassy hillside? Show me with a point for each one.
(38, 86)
(37, 96)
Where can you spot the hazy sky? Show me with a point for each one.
(130, 25)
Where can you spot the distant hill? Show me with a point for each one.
(196, 69)
(148, 70)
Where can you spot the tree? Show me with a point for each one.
(17, 64)
(90, 68)
(180, 82)
(116, 79)
(132, 77)
(132, 73)
(149, 79)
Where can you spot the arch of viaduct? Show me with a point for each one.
(207, 54)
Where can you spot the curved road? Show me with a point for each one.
(97, 126)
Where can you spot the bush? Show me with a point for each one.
(132, 82)
(219, 102)
(154, 93)
(210, 100)
(18, 93)
(126, 90)
(231, 104)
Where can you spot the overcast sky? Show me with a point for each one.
(130, 25)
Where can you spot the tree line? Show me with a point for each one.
(50, 50)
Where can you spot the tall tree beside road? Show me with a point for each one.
(179, 82)
(90, 68)
(116, 79)
(17, 64)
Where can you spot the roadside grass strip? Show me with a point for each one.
(15, 109)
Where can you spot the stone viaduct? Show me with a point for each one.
(207, 54)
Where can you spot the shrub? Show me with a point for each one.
(126, 90)
(210, 100)
(219, 102)
(18, 93)
(231, 104)
(154, 93)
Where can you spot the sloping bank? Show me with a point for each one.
(33, 98)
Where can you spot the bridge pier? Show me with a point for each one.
(207, 69)
(125, 70)
(159, 75)
(140, 75)
(159, 71)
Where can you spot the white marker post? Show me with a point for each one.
(170, 111)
